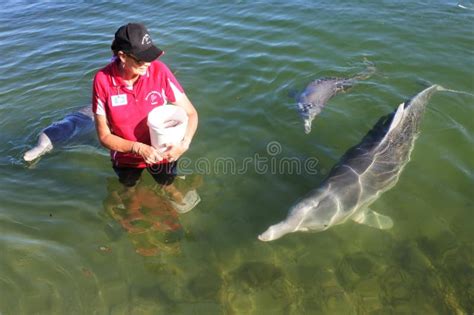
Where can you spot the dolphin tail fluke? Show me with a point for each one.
(374, 219)
(276, 231)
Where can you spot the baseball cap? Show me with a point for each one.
(133, 38)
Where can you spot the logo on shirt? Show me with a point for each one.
(154, 97)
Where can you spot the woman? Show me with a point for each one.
(124, 92)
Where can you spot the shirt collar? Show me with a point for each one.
(117, 79)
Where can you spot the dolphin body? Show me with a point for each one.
(317, 93)
(315, 96)
(364, 172)
(73, 125)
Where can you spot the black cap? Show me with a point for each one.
(134, 39)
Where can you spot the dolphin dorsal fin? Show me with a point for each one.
(398, 117)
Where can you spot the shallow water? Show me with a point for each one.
(69, 246)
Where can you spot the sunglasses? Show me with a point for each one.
(138, 61)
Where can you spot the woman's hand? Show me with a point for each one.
(116, 143)
(174, 151)
(148, 153)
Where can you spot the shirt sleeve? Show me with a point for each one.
(98, 96)
(172, 88)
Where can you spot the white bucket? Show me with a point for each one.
(167, 124)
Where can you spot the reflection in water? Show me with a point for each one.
(150, 215)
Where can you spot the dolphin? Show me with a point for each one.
(317, 93)
(72, 126)
(364, 172)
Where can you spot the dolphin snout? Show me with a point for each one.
(268, 235)
(275, 231)
(264, 237)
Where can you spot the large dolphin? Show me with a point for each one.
(361, 176)
(317, 93)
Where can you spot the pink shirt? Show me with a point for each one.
(126, 108)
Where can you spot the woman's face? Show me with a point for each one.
(133, 66)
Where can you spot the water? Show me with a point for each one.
(68, 246)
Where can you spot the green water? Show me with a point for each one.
(66, 248)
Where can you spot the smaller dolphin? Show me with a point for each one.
(71, 126)
(364, 172)
(317, 93)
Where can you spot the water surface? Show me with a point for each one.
(67, 246)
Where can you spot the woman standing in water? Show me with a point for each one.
(124, 92)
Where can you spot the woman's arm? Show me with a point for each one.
(175, 151)
(116, 143)
(186, 104)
